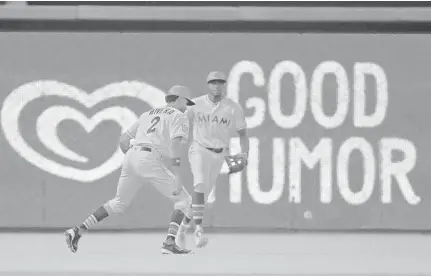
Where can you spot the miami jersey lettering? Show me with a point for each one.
(159, 126)
(214, 123)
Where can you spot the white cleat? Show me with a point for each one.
(200, 240)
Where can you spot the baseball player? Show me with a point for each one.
(154, 158)
(215, 120)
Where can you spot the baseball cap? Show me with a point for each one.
(180, 91)
(216, 75)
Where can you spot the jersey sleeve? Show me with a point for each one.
(239, 118)
(131, 131)
(180, 127)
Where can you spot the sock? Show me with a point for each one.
(176, 218)
(198, 207)
(96, 217)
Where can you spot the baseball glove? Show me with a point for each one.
(236, 163)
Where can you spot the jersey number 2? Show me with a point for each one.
(154, 122)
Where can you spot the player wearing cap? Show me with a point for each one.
(154, 158)
(215, 119)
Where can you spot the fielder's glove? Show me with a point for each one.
(236, 163)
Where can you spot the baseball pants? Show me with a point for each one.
(141, 167)
(205, 165)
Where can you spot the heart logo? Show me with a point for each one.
(47, 122)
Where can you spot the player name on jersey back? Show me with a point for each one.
(155, 111)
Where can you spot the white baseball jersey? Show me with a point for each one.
(214, 123)
(159, 126)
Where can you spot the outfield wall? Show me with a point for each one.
(337, 121)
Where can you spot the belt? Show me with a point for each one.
(142, 148)
(219, 150)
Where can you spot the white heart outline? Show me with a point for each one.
(24, 94)
(47, 126)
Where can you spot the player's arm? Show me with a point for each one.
(127, 136)
(179, 135)
(190, 115)
(241, 128)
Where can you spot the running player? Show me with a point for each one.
(153, 158)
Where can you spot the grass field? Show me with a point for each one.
(227, 254)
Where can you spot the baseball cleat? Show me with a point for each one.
(200, 240)
(72, 238)
(173, 249)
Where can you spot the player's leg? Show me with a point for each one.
(128, 186)
(215, 170)
(184, 225)
(175, 243)
(183, 202)
(215, 162)
(195, 163)
(164, 181)
(200, 165)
